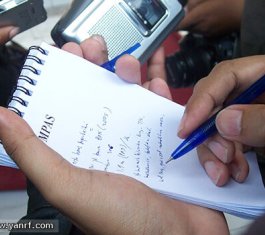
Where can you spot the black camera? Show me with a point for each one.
(197, 56)
(23, 14)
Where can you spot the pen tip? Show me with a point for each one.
(169, 160)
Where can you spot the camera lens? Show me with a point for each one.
(196, 58)
(186, 68)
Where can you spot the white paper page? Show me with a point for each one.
(97, 121)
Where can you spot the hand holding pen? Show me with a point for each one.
(238, 125)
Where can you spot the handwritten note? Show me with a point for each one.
(137, 150)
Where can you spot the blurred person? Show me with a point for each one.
(217, 30)
(11, 59)
(212, 17)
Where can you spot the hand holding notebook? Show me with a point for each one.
(97, 121)
(90, 194)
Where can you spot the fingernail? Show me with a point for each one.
(182, 123)
(212, 171)
(100, 39)
(219, 150)
(229, 122)
(235, 171)
(13, 32)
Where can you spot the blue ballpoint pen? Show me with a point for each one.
(110, 65)
(208, 128)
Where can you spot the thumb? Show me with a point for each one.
(14, 131)
(243, 123)
(7, 33)
(39, 163)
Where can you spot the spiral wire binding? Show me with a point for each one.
(27, 79)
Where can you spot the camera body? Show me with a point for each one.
(122, 23)
(197, 57)
(22, 13)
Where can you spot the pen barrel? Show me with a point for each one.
(196, 138)
(251, 93)
(204, 131)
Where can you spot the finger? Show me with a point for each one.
(18, 138)
(239, 168)
(195, 15)
(156, 65)
(226, 80)
(188, 23)
(7, 33)
(129, 69)
(73, 48)
(208, 95)
(146, 85)
(243, 123)
(160, 87)
(13, 130)
(223, 149)
(217, 171)
(43, 166)
(95, 49)
(194, 3)
(220, 172)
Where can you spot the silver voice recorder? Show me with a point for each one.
(122, 23)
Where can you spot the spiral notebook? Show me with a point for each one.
(95, 120)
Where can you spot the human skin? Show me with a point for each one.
(7, 33)
(212, 17)
(240, 127)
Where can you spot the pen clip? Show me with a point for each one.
(110, 65)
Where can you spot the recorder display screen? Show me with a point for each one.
(148, 11)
